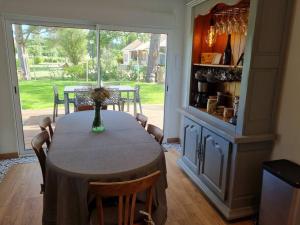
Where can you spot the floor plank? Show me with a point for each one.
(21, 203)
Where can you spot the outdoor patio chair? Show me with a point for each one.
(37, 145)
(58, 101)
(83, 101)
(128, 209)
(156, 133)
(136, 98)
(114, 99)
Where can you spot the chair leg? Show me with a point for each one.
(54, 111)
(140, 104)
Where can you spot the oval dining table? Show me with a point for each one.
(124, 151)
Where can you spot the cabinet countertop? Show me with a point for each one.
(227, 131)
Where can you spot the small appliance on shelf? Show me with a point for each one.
(202, 90)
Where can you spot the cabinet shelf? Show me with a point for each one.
(215, 115)
(220, 73)
(218, 66)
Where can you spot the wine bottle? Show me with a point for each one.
(228, 52)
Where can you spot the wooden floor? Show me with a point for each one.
(21, 203)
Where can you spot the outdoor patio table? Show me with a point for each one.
(71, 89)
(124, 151)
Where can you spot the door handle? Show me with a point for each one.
(202, 153)
(199, 151)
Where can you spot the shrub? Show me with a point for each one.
(37, 60)
(75, 71)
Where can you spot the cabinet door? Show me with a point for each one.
(191, 147)
(214, 164)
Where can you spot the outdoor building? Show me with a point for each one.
(137, 52)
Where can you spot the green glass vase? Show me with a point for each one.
(98, 126)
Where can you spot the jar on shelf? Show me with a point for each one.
(211, 105)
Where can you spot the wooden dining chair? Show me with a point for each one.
(84, 108)
(156, 132)
(46, 124)
(127, 191)
(142, 119)
(37, 145)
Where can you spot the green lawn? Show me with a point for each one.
(38, 94)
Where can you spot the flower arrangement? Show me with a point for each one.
(99, 95)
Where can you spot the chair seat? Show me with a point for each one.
(71, 100)
(59, 101)
(111, 214)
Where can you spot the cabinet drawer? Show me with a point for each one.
(214, 162)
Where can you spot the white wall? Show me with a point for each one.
(154, 15)
(288, 127)
(7, 125)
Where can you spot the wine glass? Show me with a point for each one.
(223, 28)
(235, 20)
(243, 23)
(230, 22)
(218, 25)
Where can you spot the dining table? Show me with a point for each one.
(124, 151)
(121, 88)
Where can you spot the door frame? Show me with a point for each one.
(10, 19)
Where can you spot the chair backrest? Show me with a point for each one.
(137, 92)
(83, 101)
(46, 123)
(127, 190)
(156, 132)
(55, 93)
(114, 97)
(37, 145)
(142, 119)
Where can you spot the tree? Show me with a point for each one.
(73, 43)
(23, 33)
(21, 50)
(153, 57)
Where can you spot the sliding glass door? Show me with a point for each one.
(44, 58)
(49, 58)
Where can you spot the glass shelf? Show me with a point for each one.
(218, 66)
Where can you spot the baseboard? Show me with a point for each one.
(173, 140)
(9, 155)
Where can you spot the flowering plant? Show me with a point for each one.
(99, 95)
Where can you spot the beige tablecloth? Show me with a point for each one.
(124, 151)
